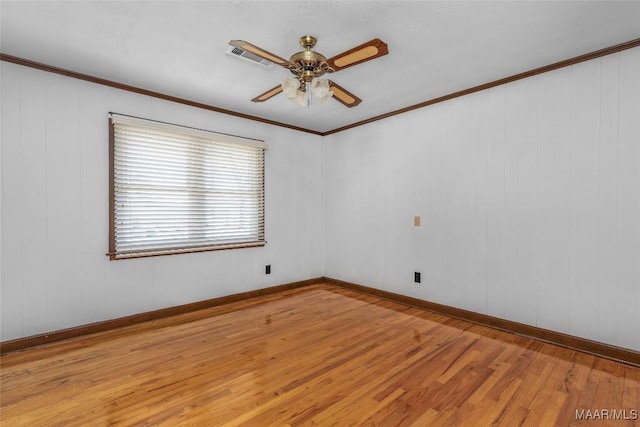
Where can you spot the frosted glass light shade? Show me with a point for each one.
(290, 87)
(319, 89)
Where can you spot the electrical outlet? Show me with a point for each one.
(416, 221)
(267, 269)
(416, 277)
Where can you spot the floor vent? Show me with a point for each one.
(248, 56)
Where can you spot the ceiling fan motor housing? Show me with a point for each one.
(308, 64)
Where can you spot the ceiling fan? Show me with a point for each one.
(307, 66)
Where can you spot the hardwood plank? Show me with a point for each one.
(313, 355)
(107, 325)
(569, 341)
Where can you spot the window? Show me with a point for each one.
(175, 189)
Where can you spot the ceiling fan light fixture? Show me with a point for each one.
(320, 88)
(299, 99)
(290, 87)
(307, 93)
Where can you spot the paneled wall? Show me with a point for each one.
(529, 196)
(54, 270)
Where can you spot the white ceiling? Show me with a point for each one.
(435, 48)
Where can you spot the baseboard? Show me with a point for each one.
(107, 325)
(619, 354)
(584, 345)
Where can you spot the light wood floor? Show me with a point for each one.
(314, 356)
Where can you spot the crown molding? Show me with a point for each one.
(566, 63)
(545, 69)
(117, 85)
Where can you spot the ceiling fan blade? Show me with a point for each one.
(268, 94)
(364, 52)
(260, 52)
(344, 96)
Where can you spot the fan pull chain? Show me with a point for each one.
(308, 96)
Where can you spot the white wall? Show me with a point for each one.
(55, 273)
(529, 195)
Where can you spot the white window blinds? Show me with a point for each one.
(177, 189)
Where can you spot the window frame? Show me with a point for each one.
(213, 137)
